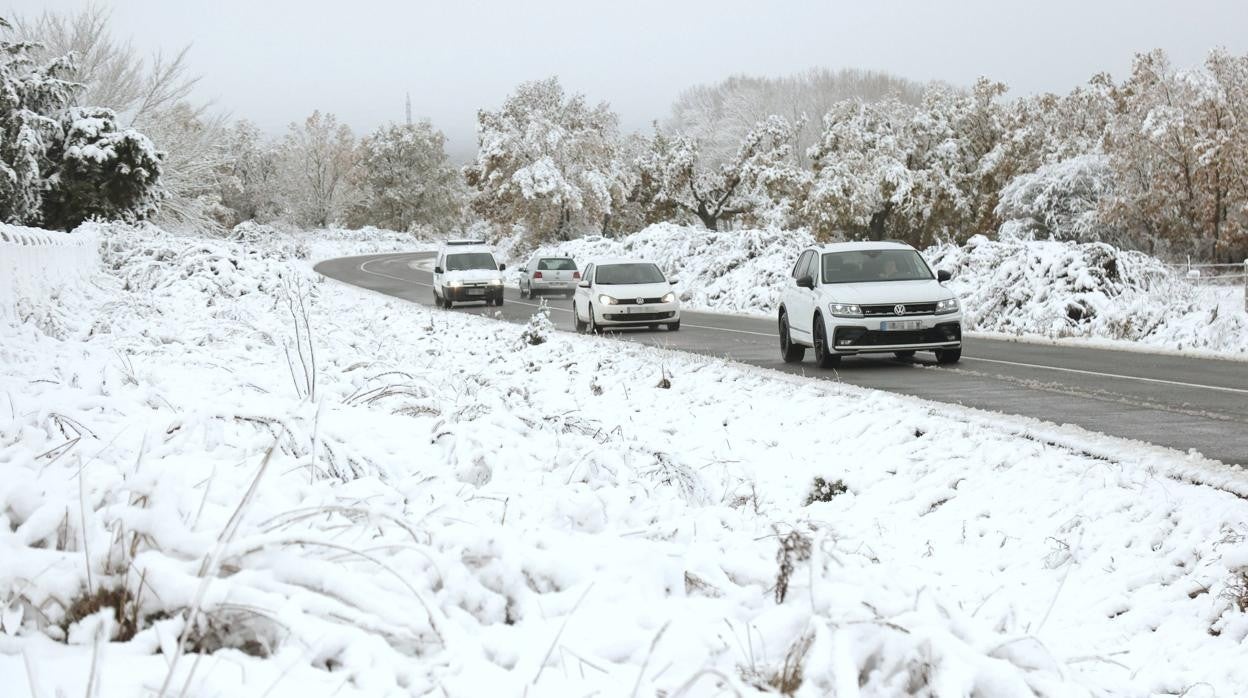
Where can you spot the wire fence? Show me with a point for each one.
(1224, 275)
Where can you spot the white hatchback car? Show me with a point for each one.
(625, 293)
(868, 297)
(549, 274)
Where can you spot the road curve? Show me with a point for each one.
(1178, 402)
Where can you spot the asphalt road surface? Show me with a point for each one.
(1179, 402)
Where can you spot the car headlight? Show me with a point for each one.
(669, 298)
(456, 284)
(496, 282)
(607, 300)
(845, 309)
(949, 305)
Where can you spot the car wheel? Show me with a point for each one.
(593, 327)
(673, 326)
(823, 357)
(790, 352)
(908, 354)
(576, 318)
(437, 300)
(948, 356)
(524, 293)
(498, 301)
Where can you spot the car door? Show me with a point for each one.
(584, 291)
(798, 301)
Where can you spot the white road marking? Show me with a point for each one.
(1238, 391)
(1111, 375)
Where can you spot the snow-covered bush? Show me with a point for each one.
(1059, 201)
(1063, 289)
(539, 327)
(103, 171)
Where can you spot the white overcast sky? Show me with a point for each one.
(274, 61)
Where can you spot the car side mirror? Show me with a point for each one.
(437, 270)
(502, 267)
(943, 275)
(583, 284)
(672, 281)
(806, 281)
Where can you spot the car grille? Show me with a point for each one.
(633, 301)
(639, 317)
(890, 309)
(852, 337)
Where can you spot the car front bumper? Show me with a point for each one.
(461, 294)
(650, 314)
(934, 332)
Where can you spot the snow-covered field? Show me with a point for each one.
(348, 495)
(1026, 289)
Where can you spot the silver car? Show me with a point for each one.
(546, 275)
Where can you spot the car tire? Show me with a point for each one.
(673, 326)
(498, 301)
(948, 356)
(907, 354)
(823, 357)
(593, 327)
(576, 318)
(524, 293)
(437, 300)
(789, 351)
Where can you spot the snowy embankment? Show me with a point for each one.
(356, 496)
(1026, 289)
(35, 265)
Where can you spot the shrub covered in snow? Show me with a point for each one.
(1063, 289)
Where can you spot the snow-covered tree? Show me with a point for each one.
(31, 98)
(719, 116)
(249, 181)
(1176, 144)
(317, 162)
(406, 178)
(758, 182)
(102, 171)
(547, 161)
(150, 93)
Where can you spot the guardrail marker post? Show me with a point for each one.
(1246, 285)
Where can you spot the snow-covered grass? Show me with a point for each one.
(1027, 289)
(294, 487)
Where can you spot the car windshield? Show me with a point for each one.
(874, 265)
(620, 274)
(556, 264)
(470, 260)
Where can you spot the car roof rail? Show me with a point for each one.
(464, 242)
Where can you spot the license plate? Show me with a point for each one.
(899, 325)
(476, 292)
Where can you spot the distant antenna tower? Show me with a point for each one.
(409, 108)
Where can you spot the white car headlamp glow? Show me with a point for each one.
(669, 298)
(845, 309)
(949, 305)
(607, 300)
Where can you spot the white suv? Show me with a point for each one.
(868, 297)
(624, 293)
(466, 270)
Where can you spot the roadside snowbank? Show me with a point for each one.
(365, 497)
(1038, 289)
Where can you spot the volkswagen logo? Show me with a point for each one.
(641, 301)
(899, 310)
